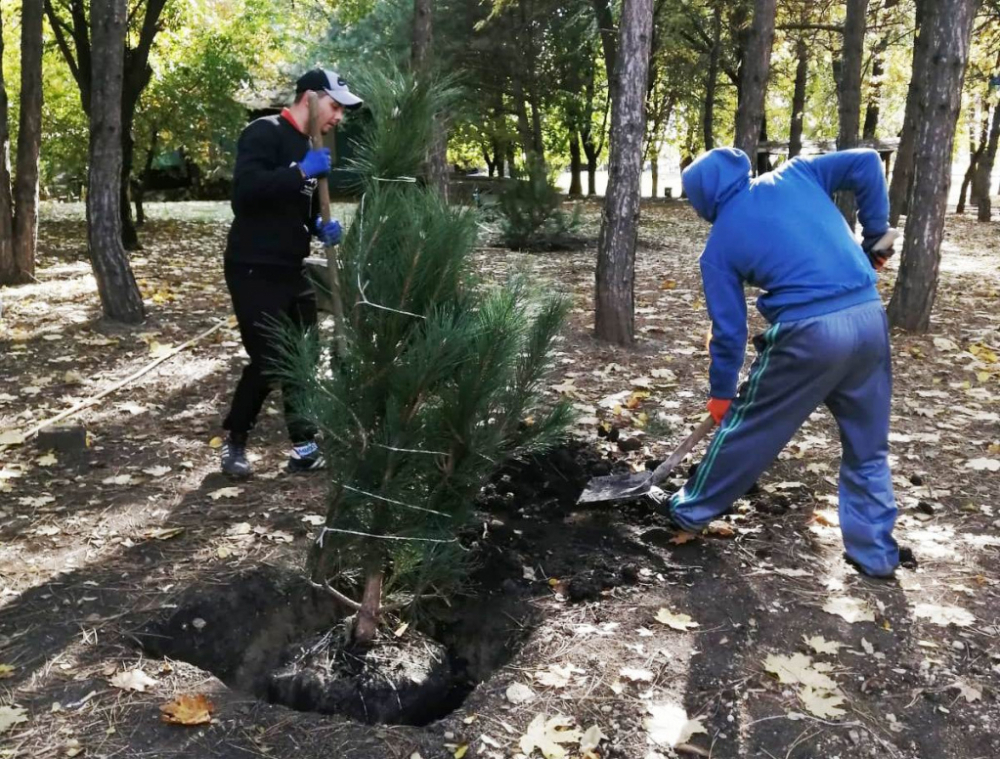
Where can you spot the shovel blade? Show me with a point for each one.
(616, 487)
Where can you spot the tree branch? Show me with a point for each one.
(811, 28)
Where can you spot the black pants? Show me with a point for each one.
(263, 297)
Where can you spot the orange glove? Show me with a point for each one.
(718, 407)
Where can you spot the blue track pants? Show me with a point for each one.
(840, 359)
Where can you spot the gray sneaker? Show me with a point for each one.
(234, 460)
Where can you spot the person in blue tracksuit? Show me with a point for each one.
(828, 340)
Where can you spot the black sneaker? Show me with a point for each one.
(234, 460)
(306, 458)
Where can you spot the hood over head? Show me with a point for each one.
(714, 178)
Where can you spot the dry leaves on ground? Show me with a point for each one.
(188, 710)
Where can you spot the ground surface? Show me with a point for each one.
(94, 547)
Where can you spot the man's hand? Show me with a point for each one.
(316, 163)
(718, 407)
(879, 249)
(330, 233)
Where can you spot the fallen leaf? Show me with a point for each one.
(216, 442)
(6, 671)
(188, 710)
(789, 572)
(157, 471)
(668, 725)
(132, 680)
(849, 609)
(49, 459)
(548, 735)
(36, 501)
(10, 716)
(162, 533)
(519, 693)
(401, 630)
(680, 622)
(591, 738)
(11, 437)
(720, 528)
(73, 377)
(822, 646)
(944, 344)
(314, 519)
(73, 747)
(822, 703)
(461, 751)
(119, 479)
(944, 615)
(636, 675)
(556, 676)
(237, 530)
(984, 465)
(230, 492)
(159, 350)
(970, 692)
(48, 530)
(800, 669)
(682, 537)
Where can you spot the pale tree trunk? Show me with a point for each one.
(615, 277)
(120, 297)
(849, 92)
(902, 175)
(948, 27)
(29, 140)
(420, 57)
(754, 71)
(976, 150)
(8, 270)
(799, 98)
(985, 168)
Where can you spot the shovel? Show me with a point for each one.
(620, 487)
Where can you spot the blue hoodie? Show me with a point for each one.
(781, 232)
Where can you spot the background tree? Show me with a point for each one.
(119, 293)
(754, 69)
(943, 57)
(615, 275)
(849, 90)
(19, 209)
(69, 22)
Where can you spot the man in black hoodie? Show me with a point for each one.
(276, 213)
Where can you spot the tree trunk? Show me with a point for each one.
(367, 621)
(654, 170)
(606, 27)
(120, 297)
(8, 269)
(575, 164)
(899, 186)
(29, 140)
(874, 108)
(147, 170)
(948, 27)
(130, 237)
(975, 152)
(985, 167)
(799, 98)
(754, 71)
(849, 92)
(712, 79)
(615, 277)
(420, 59)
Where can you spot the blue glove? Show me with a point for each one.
(316, 163)
(330, 233)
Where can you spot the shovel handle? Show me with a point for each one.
(663, 470)
(333, 269)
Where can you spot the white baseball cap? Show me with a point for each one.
(330, 82)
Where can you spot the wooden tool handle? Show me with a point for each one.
(332, 267)
(663, 470)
